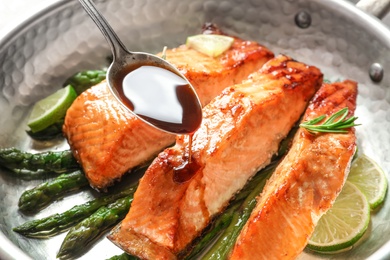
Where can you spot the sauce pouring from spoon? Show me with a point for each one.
(152, 89)
(149, 86)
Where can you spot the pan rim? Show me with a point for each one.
(374, 24)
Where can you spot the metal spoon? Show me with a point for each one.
(185, 107)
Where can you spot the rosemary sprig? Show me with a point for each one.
(336, 123)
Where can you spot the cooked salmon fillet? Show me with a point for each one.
(108, 141)
(304, 185)
(240, 132)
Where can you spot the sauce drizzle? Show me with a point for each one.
(188, 168)
(165, 100)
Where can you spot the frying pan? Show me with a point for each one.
(38, 55)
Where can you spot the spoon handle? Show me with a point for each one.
(117, 47)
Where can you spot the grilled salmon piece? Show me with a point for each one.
(304, 185)
(240, 132)
(108, 141)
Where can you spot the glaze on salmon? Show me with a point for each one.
(108, 141)
(304, 185)
(240, 132)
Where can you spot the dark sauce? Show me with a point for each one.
(166, 100)
(160, 97)
(185, 172)
(188, 168)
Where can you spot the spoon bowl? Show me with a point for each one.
(147, 85)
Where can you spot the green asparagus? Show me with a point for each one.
(224, 244)
(25, 163)
(57, 223)
(40, 196)
(225, 219)
(83, 80)
(123, 256)
(91, 228)
(218, 225)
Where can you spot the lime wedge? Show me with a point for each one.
(343, 224)
(51, 109)
(370, 179)
(212, 45)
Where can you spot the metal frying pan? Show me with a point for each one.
(37, 56)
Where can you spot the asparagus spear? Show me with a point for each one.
(123, 256)
(57, 223)
(29, 164)
(88, 230)
(40, 196)
(83, 80)
(225, 219)
(224, 244)
(218, 225)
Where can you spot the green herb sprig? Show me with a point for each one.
(336, 123)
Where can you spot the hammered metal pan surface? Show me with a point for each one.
(40, 54)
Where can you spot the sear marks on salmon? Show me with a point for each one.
(109, 141)
(240, 132)
(304, 185)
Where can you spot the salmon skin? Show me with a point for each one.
(109, 141)
(304, 185)
(240, 132)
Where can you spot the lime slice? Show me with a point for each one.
(51, 109)
(343, 224)
(370, 179)
(212, 45)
